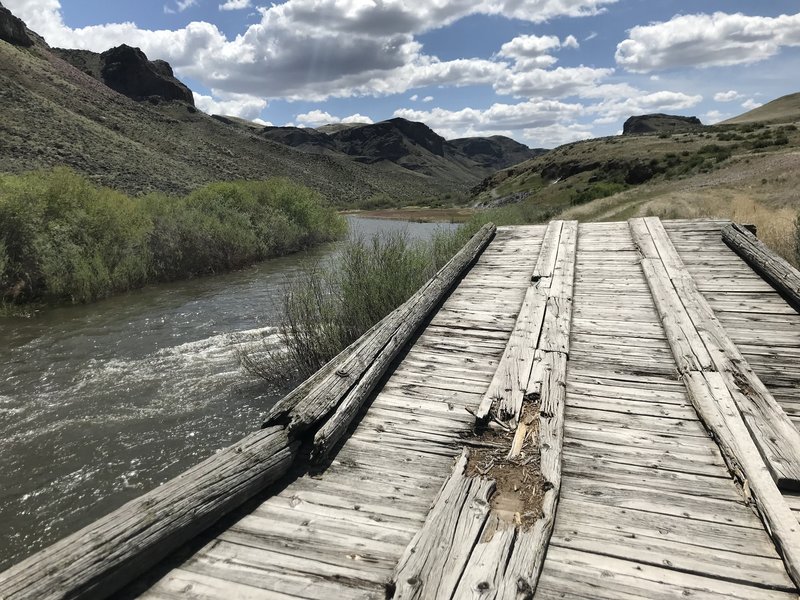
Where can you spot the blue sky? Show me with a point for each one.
(542, 71)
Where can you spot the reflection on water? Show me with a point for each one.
(100, 403)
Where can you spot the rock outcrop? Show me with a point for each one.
(128, 71)
(659, 123)
(13, 30)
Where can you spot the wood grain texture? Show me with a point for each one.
(717, 408)
(774, 269)
(543, 323)
(700, 343)
(434, 561)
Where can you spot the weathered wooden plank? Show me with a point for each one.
(576, 574)
(599, 538)
(543, 322)
(688, 348)
(641, 497)
(104, 556)
(434, 561)
(484, 575)
(556, 325)
(507, 387)
(774, 269)
(548, 254)
(705, 534)
(188, 585)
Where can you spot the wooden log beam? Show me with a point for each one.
(103, 557)
(718, 411)
(317, 401)
(700, 343)
(772, 268)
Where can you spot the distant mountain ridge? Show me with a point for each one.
(411, 145)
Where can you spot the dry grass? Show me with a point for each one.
(776, 226)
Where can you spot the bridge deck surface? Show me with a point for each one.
(648, 508)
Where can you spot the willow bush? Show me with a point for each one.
(329, 306)
(64, 238)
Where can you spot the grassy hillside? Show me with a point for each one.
(785, 109)
(748, 172)
(54, 114)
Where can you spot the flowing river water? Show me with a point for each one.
(102, 402)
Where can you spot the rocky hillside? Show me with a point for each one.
(127, 122)
(659, 123)
(13, 30)
(495, 152)
(413, 146)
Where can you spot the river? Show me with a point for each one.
(100, 403)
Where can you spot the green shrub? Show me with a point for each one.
(327, 308)
(602, 189)
(63, 238)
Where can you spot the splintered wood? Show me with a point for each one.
(518, 456)
(542, 326)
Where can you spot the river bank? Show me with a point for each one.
(417, 214)
(101, 402)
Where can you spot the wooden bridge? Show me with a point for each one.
(604, 410)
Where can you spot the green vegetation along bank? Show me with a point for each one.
(63, 238)
(326, 309)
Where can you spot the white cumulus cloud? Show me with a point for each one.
(706, 40)
(235, 5)
(728, 96)
(234, 105)
(318, 117)
(311, 49)
(180, 6)
(554, 83)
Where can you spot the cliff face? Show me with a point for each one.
(13, 30)
(659, 123)
(128, 71)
